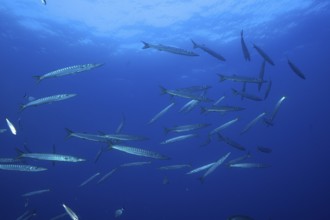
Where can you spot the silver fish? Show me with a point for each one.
(47, 100)
(123, 137)
(236, 78)
(28, 214)
(231, 142)
(189, 106)
(222, 109)
(248, 165)
(296, 70)
(121, 125)
(209, 51)
(244, 48)
(52, 157)
(11, 127)
(184, 128)
(119, 212)
(263, 54)
(21, 167)
(247, 95)
(219, 100)
(175, 167)
(269, 121)
(178, 138)
(223, 126)
(3, 130)
(214, 166)
(86, 136)
(107, 175)
(67, 71)
(89, 179)
(35, 192)
(71, 213)
(59, 216)
(184, 94)
(162, 112)
(191, 89)
(135, 164)
(169, 49)
(199, 169)
(252, 123)
(239, 159)
(139, 152)
(10, 160)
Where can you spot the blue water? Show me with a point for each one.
(296, 186)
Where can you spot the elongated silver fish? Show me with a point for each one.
(252, 123)
(184, 94)
(21, 167)
(199, 169)
(261, 73)
(59, 216)
(67, 71)
(236, 78)
(86, 136)
(35, 192)
(3, 130)
(11, 127)
(296, 70)
(231, 142)
(248, 165)
(10, 160)
(222, 109)
(107, 175)
(162, 112)
(244, 48)
(71, 213)
(89, 179)
(178, 138)
(219, 100)
(142, 163)
(263, 54)
(189, 106)
(27, 215)
(239, 159)
(214, 166)
(121, 125)
(191, 89)
(209, 51)
(169, 49)
(123, 137)
(52, 157)
(223, 126)
(270, 120)
(139, 152)
(184, 128)
(175, 167)
(247, 95)
(47, 100)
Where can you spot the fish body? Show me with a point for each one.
(253, 122)
(139, 152)
(71, 213)
(68, 71)
(48, 100)
(219, 100)
(3, 130)
(107, 175)
(184, 94)
(222, 109)
(209, 51)
(123, 137)
(162, 112)
(199, 169)
(89, 179)
(247, 95)
(269, 121)
(11, 127)
(142, 163)
(10, 160)
(21, 167)
(86, 136)
(263, 54)
(236, 78)
(52, 157)
(239, 159)
(169, 49)
(184, 128)
(193, 89)
(178, 138)
(189, 105)
(175, 167)
(223, 126)
(296, 70)
(248, 165)
(214, 166)
(231, 142)
(121, 125)
(244, 48)
(35, 192)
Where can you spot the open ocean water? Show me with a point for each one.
(290, 182)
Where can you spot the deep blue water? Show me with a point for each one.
(296, 186)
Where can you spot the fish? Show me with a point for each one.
(139, 152)
(135, 164)
(223, 126)
(67, 71)
(169, 49)
(10, 160)
(219, 100)
(214, 166)
(121, 125)
(296, 70)
(175, 167)
(44, 2)
(89, 179)
(119, 212)
(193, 89)
(263, 54)
(236, 78)
(35, 192)
(178, 138)
(3, 130)
(199, 169)
(21, 167)
(252, 123)
(239, 159)
(28, 214)
(123, 137)
(222, 109)
(182, 94)
(230, 142)
(107, 175)
(208, 50)
(59, 216)
(48, 100)
(11, 127)
(247, 95)
(261, 73)
(244, 48)
(71, 213)
(269, 120)
(99, 153)
(266, 150)
(243, 90)
(189, 106)
(239, 217)
(268, 89)
(162, 112)
(51, 157)
(248, 165)
(185, 128)
(86, 136)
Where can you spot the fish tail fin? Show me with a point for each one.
(203, 110)
(21, 108)
(37, 78)
(68, 133)
(146, 45)
(194, 44)
(163, 90)
(222, 77)
(19, 153)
